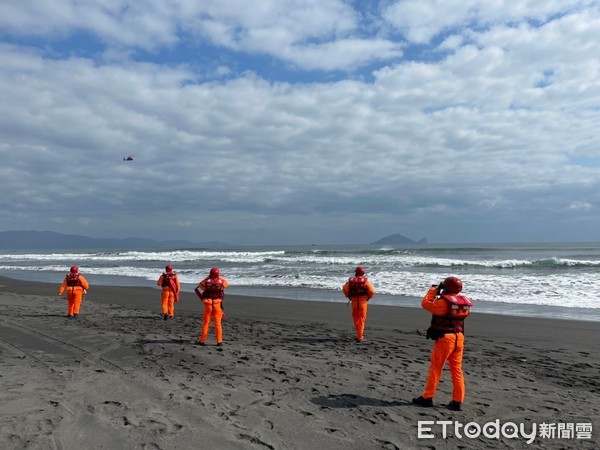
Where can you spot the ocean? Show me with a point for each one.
(546, 280)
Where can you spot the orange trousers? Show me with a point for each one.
(447, 348)
(359, 314)
(212, 311)
(74, 299)
(167, 299)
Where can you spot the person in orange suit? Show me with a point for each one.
(213, 293)
(449, 309)
(76, 286)
(359, 290)
(169, 281)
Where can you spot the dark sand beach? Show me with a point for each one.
(289, 376)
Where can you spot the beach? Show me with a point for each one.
(289, 376)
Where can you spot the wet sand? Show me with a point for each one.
(289, 375)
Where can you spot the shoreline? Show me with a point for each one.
(333, 313)
(336, 297)
(289, 375)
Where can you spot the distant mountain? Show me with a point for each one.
(398, 239)
(44, 240)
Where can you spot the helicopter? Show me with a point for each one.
(128, 158)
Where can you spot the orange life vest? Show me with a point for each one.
(358, 287)
(73, 280)
(459, 308)
(167, 277)
(213, 289)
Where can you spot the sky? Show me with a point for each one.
(272, 122)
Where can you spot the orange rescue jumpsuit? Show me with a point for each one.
(212, 310)
(169, 296)
(74, 294)
(446, 348)
(359, 307)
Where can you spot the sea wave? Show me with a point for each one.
(509, 288)
(557, 275)
(508, 263)
(376, 260)
(159, 256)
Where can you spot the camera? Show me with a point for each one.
(440, 287)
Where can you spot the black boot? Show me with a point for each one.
(426, 402)
(455, 406)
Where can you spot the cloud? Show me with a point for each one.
(122, 23)
(303, 33)
(489, 136)
(312, 35)
(422, 20)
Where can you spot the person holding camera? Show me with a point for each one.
(449, 309)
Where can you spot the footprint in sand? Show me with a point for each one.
(387, 444)
(150, 446)
(335, 432)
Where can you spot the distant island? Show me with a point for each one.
(49, 240)
(398, 239)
